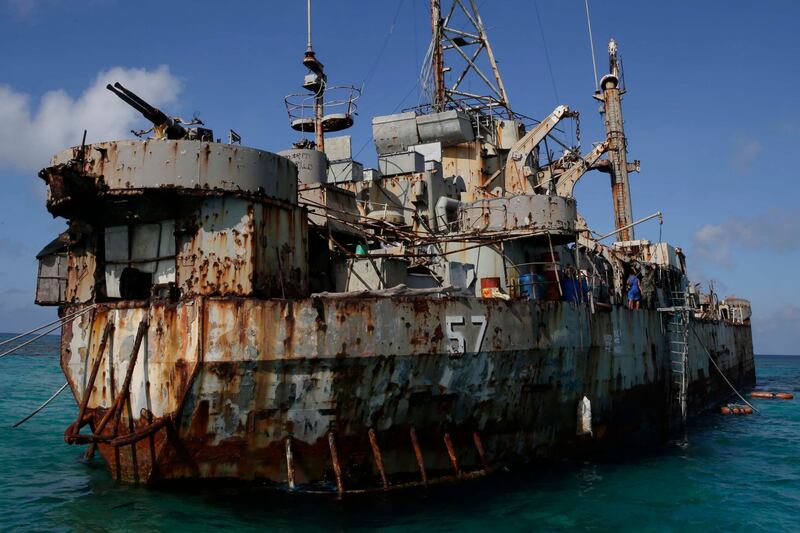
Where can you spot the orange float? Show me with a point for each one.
(725, 410)
(772, 395)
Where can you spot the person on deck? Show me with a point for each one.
(634, 291)
(648, 287)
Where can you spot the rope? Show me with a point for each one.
(60, 323)
(719, 369)
(591, 44)
(53, 397)
(46, 325)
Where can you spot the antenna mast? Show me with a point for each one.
(309, 48)
(307, 111)
(610, 93)
(470, 44)
(315, 82)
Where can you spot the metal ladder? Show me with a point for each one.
(678, 338)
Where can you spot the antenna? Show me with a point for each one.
(591, 44)
(308, 12)
(471, 38)
(322, 109)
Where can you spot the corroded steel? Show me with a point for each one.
(529, 213)
(126, 165)
(418, 455)
(207, 356)
(451, 453)
(289, 464)
(312, 365)
(376, 453)
(476, 438)
(611, 97)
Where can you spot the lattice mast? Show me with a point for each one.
(446, 38)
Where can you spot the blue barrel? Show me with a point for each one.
(540, 287)
(570, 290)
(533, 286)
(527, 286)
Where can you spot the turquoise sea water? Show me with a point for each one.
(731, 473)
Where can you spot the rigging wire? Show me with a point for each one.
(45, 404)
(546, 52)
(708, 353)
(549, 64)
(398, 106)
(382, 50)
(591, 45)
(66, 317)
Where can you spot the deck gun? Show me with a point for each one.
(164, 126)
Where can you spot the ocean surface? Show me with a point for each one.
(730, 473)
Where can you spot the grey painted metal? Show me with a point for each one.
(394, 133)
(339, 148)
(311, 164)
(430, 151)
(186, 164)
(372, 174)
(448, 127)
(537, 213)
(401, 163)
(345, 170)
(368, 273)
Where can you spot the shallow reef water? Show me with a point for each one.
(729, 473)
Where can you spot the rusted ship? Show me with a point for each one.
(294, 318)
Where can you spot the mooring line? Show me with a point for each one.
(53, 397)
(67, 317)
(59, 323)
(719, 369)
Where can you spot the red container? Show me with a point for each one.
(553, 275)
(487, 284)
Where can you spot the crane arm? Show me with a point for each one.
(516, 176)
(566, 181)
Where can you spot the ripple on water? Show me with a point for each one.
(731, 474)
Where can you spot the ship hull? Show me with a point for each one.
(344, 392)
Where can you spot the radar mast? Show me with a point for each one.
(322, 109)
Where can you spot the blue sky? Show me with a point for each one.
(711, 109)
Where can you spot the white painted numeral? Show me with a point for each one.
(457, 342)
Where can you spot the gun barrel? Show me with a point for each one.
(165, 127)
(158, 115)
(145, 111)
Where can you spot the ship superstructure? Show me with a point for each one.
(296, 318)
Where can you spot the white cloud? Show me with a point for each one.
(746, 152)
(775, 230)
(29, 137)
(22, 8)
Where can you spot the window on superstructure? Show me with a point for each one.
(137, 257)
